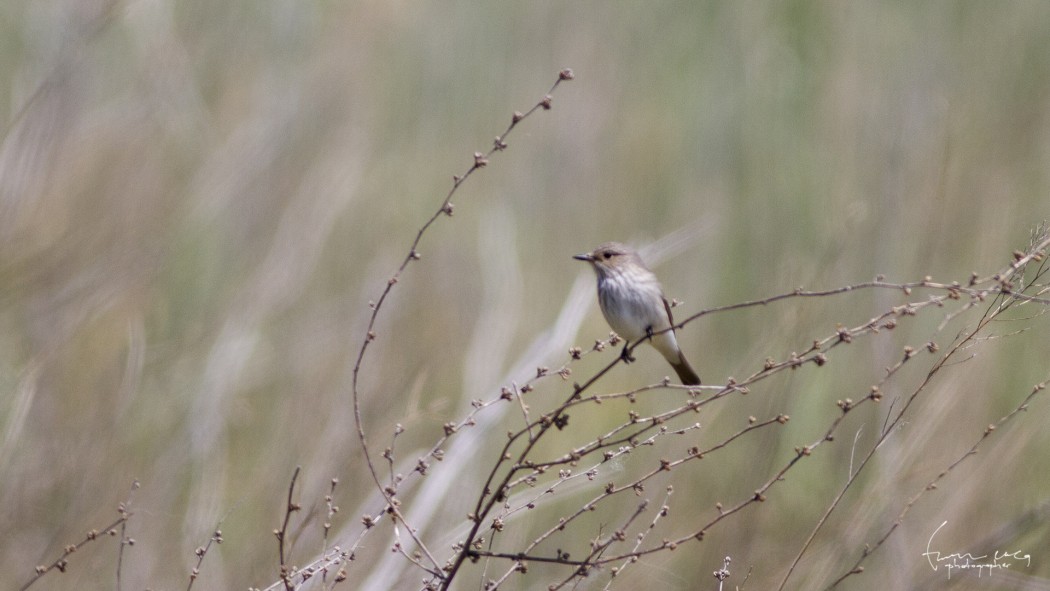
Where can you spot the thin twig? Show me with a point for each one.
(61, 563)
(480, 160)
(202, 551)
(281, 534)
(125, 509)
(932, 485)
(996, 308)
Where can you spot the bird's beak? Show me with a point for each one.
(584, 257)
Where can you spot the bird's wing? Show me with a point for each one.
(670, 317)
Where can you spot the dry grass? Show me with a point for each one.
(199, 200)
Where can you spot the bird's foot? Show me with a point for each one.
(626, 354)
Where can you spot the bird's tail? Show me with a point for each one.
(685, 372)
(666, 344)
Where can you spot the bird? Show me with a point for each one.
(634, 305)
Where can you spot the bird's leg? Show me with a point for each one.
(626, 354)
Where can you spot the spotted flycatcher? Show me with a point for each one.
(634, 304)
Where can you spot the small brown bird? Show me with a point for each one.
(634, 305)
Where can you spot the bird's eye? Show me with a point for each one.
(608, 255)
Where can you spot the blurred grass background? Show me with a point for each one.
(199, 199)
